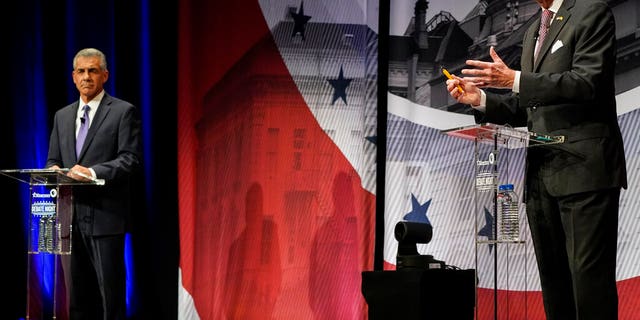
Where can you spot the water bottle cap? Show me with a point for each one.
(505, 187)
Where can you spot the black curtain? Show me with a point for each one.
(140, 41)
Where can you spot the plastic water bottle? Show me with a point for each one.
(508, 214)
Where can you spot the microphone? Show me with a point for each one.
(82, 120)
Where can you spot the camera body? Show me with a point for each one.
(408, 235)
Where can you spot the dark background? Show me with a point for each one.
(139, 38)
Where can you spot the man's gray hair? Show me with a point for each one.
(91, 52)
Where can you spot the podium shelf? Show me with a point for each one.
(512, 138)
(48, 177)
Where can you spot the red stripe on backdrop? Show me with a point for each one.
(273, 219)
(528, 304)
(201, 37)
(511, 305)
(629, 299)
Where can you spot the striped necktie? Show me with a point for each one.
(545, 21)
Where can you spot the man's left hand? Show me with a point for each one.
(80, 173)
(494, 74)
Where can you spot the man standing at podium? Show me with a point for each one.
(97, 137)
(565, 88)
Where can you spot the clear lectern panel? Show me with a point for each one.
(47, 177)
(503, 136)
(501, 256)
(50, 214)
(50, 207)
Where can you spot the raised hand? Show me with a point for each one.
(494, 74)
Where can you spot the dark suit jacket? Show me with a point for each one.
(112, 149)
(569, 91)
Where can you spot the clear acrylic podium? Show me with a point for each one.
(48, 238)
(499, 155)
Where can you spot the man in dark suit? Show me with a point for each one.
(565, 87)
(111, 151)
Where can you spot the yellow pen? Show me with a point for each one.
(448, 75)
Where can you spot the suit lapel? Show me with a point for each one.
(70, 132)
(98, 118)
(528, 46)
(559, 21)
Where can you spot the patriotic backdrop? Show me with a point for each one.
(277, 117)
(276, 150)
(431, 173)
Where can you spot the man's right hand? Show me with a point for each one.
(471, 94)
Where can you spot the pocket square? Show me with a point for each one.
(556, 46)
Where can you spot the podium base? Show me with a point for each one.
(420, 294)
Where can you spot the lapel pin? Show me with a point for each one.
(560, 18)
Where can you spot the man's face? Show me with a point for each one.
(89, 77)
(545, 3)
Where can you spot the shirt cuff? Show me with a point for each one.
(482, 107)
(93, 173)
(516, 83)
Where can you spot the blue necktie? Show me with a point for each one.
(84, 127)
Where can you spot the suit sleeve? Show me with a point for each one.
(128, 147)
(502, 110)
(54, 157)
